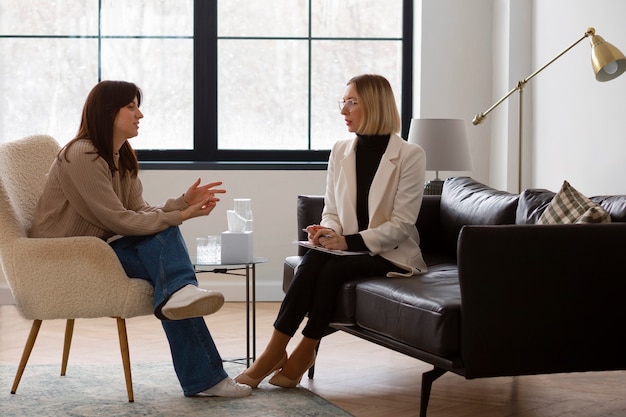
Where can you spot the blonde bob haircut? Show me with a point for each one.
(378, 104)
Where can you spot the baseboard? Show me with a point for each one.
(233, 291)
(236, 291)
(5, 295)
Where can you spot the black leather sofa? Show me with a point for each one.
(503, 296)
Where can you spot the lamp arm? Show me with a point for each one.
(520, 85)
(480, 116)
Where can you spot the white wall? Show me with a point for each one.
(572, 125)
(579, 131)
(454, 77)
(474, 52)
(511, 37)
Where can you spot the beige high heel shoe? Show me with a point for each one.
(280, 380)
(244, 378)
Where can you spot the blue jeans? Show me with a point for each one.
(162, 259)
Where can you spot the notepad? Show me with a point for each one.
(307, 244)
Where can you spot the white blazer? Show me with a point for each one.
(395, 199)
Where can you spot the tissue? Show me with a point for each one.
(236, 223)
(237, 242)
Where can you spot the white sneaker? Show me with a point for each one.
(191, 301)
(228, 388)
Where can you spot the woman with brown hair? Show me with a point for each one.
(93, 189)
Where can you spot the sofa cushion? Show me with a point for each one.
(467, 201)
(571, 206)
(615, 205)
(532, 203)
(423, 311)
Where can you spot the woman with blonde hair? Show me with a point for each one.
(374, 191)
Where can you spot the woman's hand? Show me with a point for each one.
(197, 193)
(325, 237)
(201, 199)
(332, 241)
(311, 230)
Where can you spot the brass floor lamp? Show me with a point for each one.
(607, 61)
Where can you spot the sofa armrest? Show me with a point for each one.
(309, 211)
(431, 232)
(542, 299)
(289, 270)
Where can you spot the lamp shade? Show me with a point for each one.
(608, 61)
(444, 141)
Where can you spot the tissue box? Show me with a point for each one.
(237, 247)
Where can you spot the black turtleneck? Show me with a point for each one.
(369, 151)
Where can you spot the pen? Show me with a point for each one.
(306, 231)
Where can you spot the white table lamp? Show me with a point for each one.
(446, 147)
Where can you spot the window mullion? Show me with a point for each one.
(205, 80)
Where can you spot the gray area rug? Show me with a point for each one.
(100, 390)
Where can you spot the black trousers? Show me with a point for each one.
(315, 285)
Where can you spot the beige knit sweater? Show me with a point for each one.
(83, 198)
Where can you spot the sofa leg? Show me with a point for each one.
(427, 381)
(329, 330)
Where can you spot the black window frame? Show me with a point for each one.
(206, 154)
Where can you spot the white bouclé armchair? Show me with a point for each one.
(58, 278)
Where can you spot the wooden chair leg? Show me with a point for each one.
(30, 342)
(121, 330)
(69, 331)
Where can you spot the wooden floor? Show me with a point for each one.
(358, 376)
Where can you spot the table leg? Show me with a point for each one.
(248, 315)
(253, 312)
(250, 303)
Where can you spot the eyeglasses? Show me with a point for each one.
(348, 104)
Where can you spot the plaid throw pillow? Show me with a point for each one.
(570, 206)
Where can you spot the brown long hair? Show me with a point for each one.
(101, 107)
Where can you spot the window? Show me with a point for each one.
(54, 52)
(231, 83)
